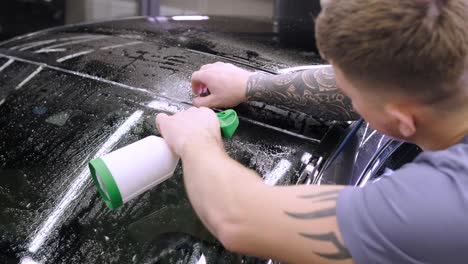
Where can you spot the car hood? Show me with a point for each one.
(73, 93)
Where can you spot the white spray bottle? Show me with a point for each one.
(152, 162)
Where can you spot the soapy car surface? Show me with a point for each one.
(70, 94)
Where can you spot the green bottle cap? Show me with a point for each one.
(228, 122)
(105, 183)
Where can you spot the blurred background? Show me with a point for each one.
(18, 17)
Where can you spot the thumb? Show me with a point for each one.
(160, 118)
(206, 101)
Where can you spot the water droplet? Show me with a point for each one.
(39, 110)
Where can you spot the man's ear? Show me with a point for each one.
(405, 121)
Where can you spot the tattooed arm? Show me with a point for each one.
(295, 224)
(312, 91)
(312, 211)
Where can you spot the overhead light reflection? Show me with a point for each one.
(190, 18)
(160, 19)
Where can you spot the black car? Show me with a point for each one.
(73, 93)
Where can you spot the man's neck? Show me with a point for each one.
(443, 143)
(442, 133)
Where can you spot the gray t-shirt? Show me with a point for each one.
(419, 214)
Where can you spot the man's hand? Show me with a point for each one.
(226, 83)
(196, 127)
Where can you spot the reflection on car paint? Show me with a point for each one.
(121, 45)
(6, 64)
(29, 45)
(53, 48)
(190, 18)
(372, 157)
(33, 44)
(74, 55)
(79, 74)
(32, 75)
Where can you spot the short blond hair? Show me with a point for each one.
(419, 47)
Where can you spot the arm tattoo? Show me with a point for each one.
(342, 253)
(319, 195)
(322, 197)
(312, 91)
(314, 214)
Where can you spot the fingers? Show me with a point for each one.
(211, 65)
(200, 79)
(207, 110)
(160, 118)
(203, 101)
(207, 67)
(191, 109)
(205, 76)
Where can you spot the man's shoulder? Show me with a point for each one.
(415, 215)
(448, 161)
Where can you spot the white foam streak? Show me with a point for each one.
(164, 106)
(28, 260)
(302, 68)
(77, 185)
(279, 171)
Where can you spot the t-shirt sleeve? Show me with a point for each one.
(417, 215)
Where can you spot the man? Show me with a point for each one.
(403, 63)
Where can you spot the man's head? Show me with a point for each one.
(400, 61)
